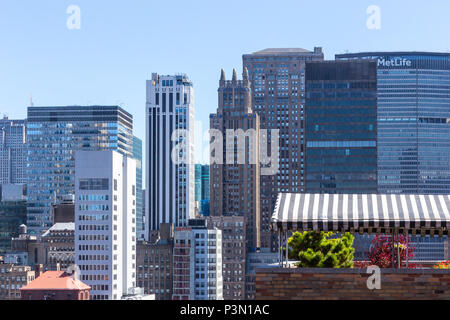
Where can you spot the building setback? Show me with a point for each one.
(235, 176)
(341, 127)
(277, 79)
(170, 185)
(105, 222)
(53, 136)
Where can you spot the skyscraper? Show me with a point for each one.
(205, 195)
(170, 183)
(137, 155)
(53, 136)
(234, 164)
(413, 121)
(341, 127)
(105, 222)
(277, 80)
(202, 188)
(12, 151)
(198, 182)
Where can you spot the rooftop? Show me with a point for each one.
(70, 226)
(55, 280)
(392, 53)
(282, 50)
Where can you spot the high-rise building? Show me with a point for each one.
(197, 262)
(53, 136)
(144, 210)
(154, 267)
(234, 163)
(137, 154)
(198, 182)
(413, 121)
(12, 151)
(233, 254)
(105, 222)
(13, 214)
(202, 189)
(205, 195)
(277, 80)
(170, 183)
(341, 127)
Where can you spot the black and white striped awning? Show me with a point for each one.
(362, 212)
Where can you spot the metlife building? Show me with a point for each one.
(413, 117)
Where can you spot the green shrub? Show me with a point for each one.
(321, 249)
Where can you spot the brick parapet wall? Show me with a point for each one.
(350, 284)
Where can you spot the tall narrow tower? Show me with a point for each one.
(234, 164)
(170, 189)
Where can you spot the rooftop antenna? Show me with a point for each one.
(31, 100)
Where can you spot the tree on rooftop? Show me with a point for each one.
(321, 249)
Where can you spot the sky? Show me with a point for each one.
(119, 44)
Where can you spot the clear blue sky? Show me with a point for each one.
(121, 43)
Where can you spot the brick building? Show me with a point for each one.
(12, 278)
(55, 285)
(154, 263)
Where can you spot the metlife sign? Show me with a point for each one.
(394, 62)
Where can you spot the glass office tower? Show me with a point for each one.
(341, 127)
(413, 121)
(198, 182)
(137, 155)
(54, 134)
(12, 151)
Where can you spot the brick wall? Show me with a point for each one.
(345, 284)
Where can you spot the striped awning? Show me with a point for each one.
(362, 212)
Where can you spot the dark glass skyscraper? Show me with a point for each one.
(341, 127)
(413, 121)
(54, 134)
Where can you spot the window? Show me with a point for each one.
(94, 184)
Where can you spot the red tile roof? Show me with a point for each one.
(55, 280)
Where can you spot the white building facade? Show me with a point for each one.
(105, 222)
(197, 263)
(170, 185)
